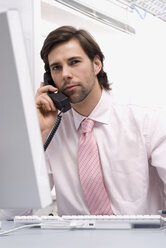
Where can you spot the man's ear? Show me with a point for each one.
(97, 64)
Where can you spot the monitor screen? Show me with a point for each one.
(24, 181)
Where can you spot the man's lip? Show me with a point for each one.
(70, 87)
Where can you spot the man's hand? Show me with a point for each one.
(47, 112)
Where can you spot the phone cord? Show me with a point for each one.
(51, 135)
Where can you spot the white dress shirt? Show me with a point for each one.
(132, 147)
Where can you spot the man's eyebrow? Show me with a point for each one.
(74, 57)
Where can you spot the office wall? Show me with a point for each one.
(148, 51)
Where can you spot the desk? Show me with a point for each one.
(36, 237)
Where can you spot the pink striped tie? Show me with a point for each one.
(91, 173)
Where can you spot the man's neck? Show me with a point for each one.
(89, 103)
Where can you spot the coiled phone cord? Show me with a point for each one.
(51, 135)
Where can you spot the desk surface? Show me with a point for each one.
(36, 237)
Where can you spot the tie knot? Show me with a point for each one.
(87, 125)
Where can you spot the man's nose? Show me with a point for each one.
(66, 72)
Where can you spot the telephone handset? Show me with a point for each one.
(60, 100)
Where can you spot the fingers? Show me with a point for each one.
(45, 88)
(43, 101)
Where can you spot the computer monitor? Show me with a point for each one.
(24, 181)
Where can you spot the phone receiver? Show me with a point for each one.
(60, 100)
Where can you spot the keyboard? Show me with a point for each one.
(93, 221)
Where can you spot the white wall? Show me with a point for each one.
(149, 53)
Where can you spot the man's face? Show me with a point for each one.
(73, 72)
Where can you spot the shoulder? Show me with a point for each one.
(133, 108)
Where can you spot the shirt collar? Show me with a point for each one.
(101, 112)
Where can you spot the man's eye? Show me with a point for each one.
(74, 62)
(56, 67)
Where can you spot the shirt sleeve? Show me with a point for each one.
(157, 141)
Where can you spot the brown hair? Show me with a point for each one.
(87, 42)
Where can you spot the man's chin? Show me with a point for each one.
(76, 99)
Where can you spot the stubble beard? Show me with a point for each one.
(77, 97)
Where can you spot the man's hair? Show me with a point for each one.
(87, 42)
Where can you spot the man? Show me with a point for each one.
(131, 139)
